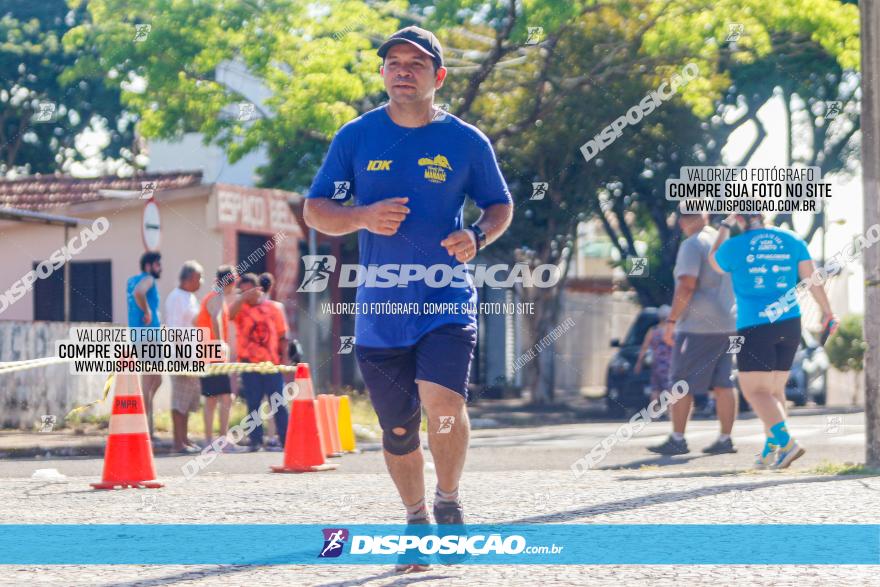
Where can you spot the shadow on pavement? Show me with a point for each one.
(684, 475)
(400, 582)
(228, 570)
(641, 501)
(659, 460)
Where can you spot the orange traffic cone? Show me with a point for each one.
(325, 413)
(323, 435)
(128, 458)
(333, 408)
(303, 452)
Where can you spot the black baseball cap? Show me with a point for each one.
(419, 38)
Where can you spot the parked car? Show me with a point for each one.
(625, 391)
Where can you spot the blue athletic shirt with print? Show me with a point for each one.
(763, 265)
(135, 314)
(372, 158)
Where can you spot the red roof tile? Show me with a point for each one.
(42, 192)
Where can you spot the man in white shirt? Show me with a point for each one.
(181, 309)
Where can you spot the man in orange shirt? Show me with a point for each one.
(258, 332)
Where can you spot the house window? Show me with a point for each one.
(90, 291)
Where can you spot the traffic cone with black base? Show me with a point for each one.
(128, 458)
(302, 446)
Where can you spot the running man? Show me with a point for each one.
(142, 297)
(701, 321)
(410, 166)
(765, 263)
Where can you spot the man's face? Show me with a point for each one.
(193, 282)
(409, 74)
(155, 269)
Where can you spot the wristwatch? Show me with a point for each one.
(479, 234)
(727, 226)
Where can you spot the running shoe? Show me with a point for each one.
(788, 454)
(449, 517)
(720, 447)
(765, 462)
(415, 562)
(671, 447)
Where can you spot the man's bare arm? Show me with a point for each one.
(495, 220)
(383, 217)
(140, 293)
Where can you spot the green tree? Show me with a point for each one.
(846, 347)
(43, 107)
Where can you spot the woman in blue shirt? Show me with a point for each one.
(765, 263)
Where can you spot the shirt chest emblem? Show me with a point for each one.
(436, 168)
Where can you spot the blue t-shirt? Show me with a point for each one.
(372, 159)
(763, 265)
(135, 314)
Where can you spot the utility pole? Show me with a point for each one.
(870, 122)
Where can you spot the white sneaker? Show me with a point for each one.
(788, 454)
(765, 462)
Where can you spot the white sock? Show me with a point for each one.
(416, 511)
(723, 437)
(677, 436)
(449, 497)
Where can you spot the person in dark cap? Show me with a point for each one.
(407, 167)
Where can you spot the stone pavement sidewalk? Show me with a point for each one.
(518, 496)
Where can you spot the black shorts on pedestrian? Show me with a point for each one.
(442, 356)
(769, 347)
(213, 385)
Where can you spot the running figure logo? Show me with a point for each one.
(346, 345)
(638, 266)
(147, 189)
(340, 191)
(536, 33)
(446, 423)
(832, 109)
(317, 272)
(48, 423)
(334, 540)
(45, 113)
(833, 424)
(246, 111)
(141, 32)
(539, 190)
(736, 343)
(734, 32)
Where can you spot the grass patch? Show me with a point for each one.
(829, 468)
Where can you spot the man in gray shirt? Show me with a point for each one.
(703, 317)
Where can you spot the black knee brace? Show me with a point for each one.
(403, 444)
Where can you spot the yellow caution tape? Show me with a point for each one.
(107, 385)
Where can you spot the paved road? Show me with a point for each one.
(827, 437)
(513, 476)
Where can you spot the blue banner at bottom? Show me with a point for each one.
(594, 544)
